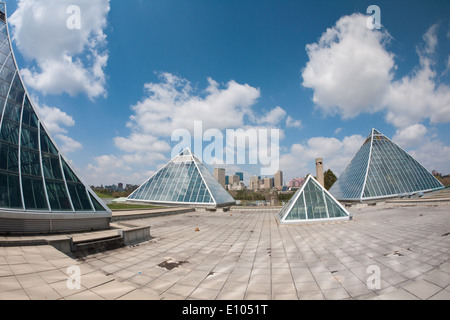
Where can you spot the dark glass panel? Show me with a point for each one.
(314, 201)
(33, 193)
(4, 193)
(29, 138)
(10, 132)
(52, 169)
(68, 173)
(10, 63)
(4, 88)
(17, 92)
(12, 111)
(57, 195)
(97, 205)
(79, 197)
(30, 162)
(10, 191)
(47, 145)
(7, 75)
(8, 157)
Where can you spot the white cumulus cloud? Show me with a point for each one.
(410, 136)
(351, 72)
(349, 68)
(172, 104)
(67, 60)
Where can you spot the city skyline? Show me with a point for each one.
(234, 65)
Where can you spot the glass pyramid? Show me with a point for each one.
(36, 181)
(183, 181)
(312, 203)
(381, 169)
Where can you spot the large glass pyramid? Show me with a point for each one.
(312, 203)
(39, 190)
(183, 181)
(381, 169)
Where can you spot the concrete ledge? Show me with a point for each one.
(62, 243)
(149, 213)
(135, 235)
(421, 201)
(83, 244)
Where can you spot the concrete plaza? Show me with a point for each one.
(392, 251)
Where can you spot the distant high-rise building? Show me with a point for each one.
(219, 174)
(254, 183)
(268, 183)
(319, 171)
(295, 182)
(278, 179)
(240, 175)
(234, 179)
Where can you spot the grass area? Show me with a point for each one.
(103, 195)
(125, 206)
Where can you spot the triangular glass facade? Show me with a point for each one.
(183, 181)
(35, 177)
(312, 203)
(382, 169)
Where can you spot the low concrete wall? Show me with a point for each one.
(143, 214)
(61, 243)
(135, 235)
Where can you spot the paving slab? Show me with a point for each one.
(422, 289)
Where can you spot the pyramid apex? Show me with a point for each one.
(185, 152)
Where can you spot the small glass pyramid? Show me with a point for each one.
(381, 169)
(183, 181)
(312, 203)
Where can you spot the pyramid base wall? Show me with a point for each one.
(318, 221)
(29, 223)
(408, 194)
(182, 204)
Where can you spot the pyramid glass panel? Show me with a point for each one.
(382, 169)
(312, 203)
(36, 182)
(183, 181)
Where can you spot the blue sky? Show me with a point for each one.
(113, 90)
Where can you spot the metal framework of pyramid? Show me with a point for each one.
(39, 190)
(381, 169)
(312, 203)
(183, 181)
